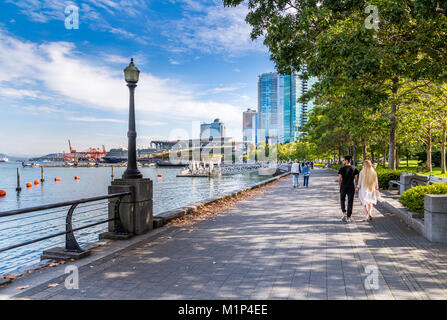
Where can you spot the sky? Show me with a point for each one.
(59, 82)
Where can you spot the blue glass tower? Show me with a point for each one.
(280, 116)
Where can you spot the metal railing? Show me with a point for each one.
(71, 244)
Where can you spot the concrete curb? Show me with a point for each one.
(410, 218)
(170, 215)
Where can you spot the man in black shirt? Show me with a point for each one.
(348, 177)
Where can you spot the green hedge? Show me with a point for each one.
(413, 198)
(385, 175)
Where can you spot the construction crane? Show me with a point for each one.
(93, 154)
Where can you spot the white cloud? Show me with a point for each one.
(18, 93)
(222, 90)
(93, 119)
(213, 29)
(172, 61)
(82, 81)
(42, 109)
(90, 13)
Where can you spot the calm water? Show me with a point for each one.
(169, 192)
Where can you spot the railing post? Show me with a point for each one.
(119, 228)
(70, 241)
(72, 249)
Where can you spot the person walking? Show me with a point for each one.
(296, 170)
(347, 180)
(367, 188)
(306, 173)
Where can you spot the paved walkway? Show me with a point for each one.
(285, 244)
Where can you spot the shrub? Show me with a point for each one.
(385, 175)
(413, 198)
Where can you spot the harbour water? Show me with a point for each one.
(170, 192)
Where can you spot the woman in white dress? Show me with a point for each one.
(367, 187)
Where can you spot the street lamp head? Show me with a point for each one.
(131, 73)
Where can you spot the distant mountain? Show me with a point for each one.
(15, 157)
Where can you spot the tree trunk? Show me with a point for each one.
(384, 159)
(354, 152)
(364, 150)
(393, 130)
(397, 157)
(429, 147)
(372, 157)
(444, 134)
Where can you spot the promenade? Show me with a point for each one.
(283, 244)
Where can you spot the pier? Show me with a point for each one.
(283, 243)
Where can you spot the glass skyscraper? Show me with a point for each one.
(280, 116)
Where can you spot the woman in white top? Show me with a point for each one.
(367, 187)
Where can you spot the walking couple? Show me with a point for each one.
(364, 183)
(304, 170)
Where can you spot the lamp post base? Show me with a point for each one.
(132, 174)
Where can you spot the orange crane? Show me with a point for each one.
(93, 154)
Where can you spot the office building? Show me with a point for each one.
(280, 116)
(215, 129)
(248, 125)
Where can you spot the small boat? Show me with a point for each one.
(30, 165)
(269, 171)
(4, 159)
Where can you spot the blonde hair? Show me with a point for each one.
(369, 176)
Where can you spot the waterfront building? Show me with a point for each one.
(215, 129)
(280, 116)
(303, 108)
(248, 118)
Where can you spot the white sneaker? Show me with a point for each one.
(344, 218)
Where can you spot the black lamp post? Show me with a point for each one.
(131, 74)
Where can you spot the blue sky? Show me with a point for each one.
(196, 59)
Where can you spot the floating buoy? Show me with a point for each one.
(2, 193)
(142, 175)
(77, 178)
(57, 179)
(159, 175)
(36, 182)
(29, 184)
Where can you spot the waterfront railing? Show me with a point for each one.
(23, 224)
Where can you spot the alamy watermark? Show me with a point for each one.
(72, 280)
(72, 17)
(372, 278)
(372, 21)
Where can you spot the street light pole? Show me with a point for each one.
(131, 76)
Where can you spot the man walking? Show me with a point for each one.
(348, 177)
(296, 173)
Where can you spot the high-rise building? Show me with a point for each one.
(303, 108)
(215, 129)
(280, 116)
(248, 125)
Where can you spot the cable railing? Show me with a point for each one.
(27, 226)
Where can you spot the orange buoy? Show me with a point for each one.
(159, 175)
(29, 184)
(36, 182)
(2, 193)
(57, 179)
(77, 178)
(142, 175)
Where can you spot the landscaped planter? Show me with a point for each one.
(435, 217)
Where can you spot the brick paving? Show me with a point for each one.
(283, 244)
